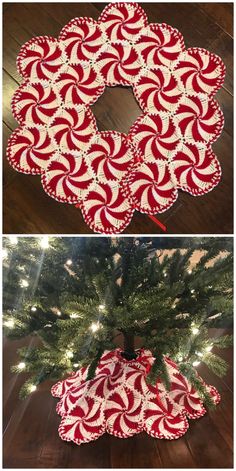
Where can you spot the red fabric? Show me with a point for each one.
(110, 174)
(119, 401)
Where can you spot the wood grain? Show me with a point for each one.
(30, 429)
(27, 209)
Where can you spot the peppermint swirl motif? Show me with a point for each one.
(198, 119)
(157, 90)
(84, 423)
(123, 21)
(110, 156)
(200, 71)
(106, 209)
(35, 103)
(30, 150)
(109, 174)
(73, 128)
(123, 414)
(79, 84)
(196, 169)
(67, 178)
(183, 394)
(160, 44)
(155, 136)
(162, 420)
(40, 58)
(151, 188)
(82, 39)
(119, 64)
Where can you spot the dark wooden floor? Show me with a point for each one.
(27, 209)
(31, 439)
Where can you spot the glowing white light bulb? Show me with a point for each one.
(58, 313)
(180, 358)
(189, 272)
(21, 365)
(44, 242)
(34, 308)
(24, 283)
(74, 316)
(69, 262)
(209, 348)
(69, 354)
(4, 254)
(165, 274)
(195, 330)
(13, 240)
(76, 365)
(9, 323)
(95, 326)
(192, 291)
(199, 354)
(196, 363)
(32, 388)
(101, 307)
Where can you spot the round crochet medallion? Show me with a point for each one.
(109, 175)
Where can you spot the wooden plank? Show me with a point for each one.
(221, 13)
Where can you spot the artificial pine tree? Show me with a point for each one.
(78, 295)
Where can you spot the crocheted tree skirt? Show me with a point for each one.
(119, 401)
(109, 174)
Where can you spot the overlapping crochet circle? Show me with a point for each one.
(110, 174)
(120, 401)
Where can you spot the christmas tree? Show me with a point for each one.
(78, 295)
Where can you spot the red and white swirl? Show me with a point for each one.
(110, 156)
(79, 84)
(135, 380)
(84, 423)
(200, 71)
(196, 169)
(123, 21)
(35, 103)
(29, 150)
(155, 136)
(160, 44)
(215, 395)
(184, 394)
(108, 379)
(82, 38)
(162, 420)
(76, 379)
(67, 178)
(119, 64)
(152, 190)
(199, 119)
(72, 128)
(41, 58)
(157, 90)
(107, 358)
(70, 398)
(123, 413)
(106, 209)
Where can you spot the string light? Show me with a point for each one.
(165, 274)
(180, 358)
(32, 388)
(192, 291)
(189, 272)
(58, 312)
(95, 326)
(199, 354)
(209, 348)
(9, 323)
(44, 242)
(13, 240)
(76, 365)
(24, 283)
(34, 308)
(196, 363)
(4, 254)
(74, 316)
(69, 354)
(21, 365)
(69, 262)
(101, 307)
(195, 330)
